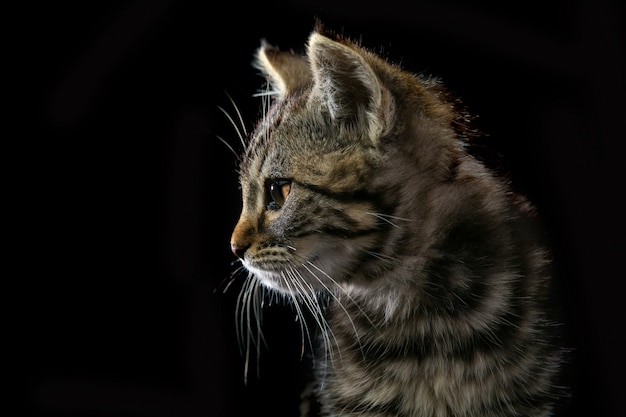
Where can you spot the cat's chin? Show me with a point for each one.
(292, 280)
(272, 280)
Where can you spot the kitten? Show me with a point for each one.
(358, 187)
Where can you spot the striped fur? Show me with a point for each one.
(435, 281)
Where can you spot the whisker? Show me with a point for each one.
(239, 312)
(265, 93)
(228, 281)
(332, 294)
(386, 217)
(228, 146)
(290, 276)
(241, 137)
(310, 299)
(248, 302)
(239, 322)
(241, 122)
(345, 293)
(383, 257)
(257, 304)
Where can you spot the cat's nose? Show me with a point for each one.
(238, 250)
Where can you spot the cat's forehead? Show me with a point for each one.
(287, 132)
(297, 139)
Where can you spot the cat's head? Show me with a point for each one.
(323, 174)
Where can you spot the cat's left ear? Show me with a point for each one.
(346, 84)
(285, 70)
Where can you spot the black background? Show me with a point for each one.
(125, 199)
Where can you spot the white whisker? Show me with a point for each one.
(239, 134)
(345, 293)
(386, 217)
(339, 303)
(240, 313)
(292, 294)
(230, 279)
(228, 145)
(310, 299)
(241, 122)
(385, 258)
(265, 93)
(249, 304)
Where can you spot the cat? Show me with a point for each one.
(420, 266)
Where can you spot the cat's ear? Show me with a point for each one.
(345, 83)
(285, 70)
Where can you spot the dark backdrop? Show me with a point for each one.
(126, 199)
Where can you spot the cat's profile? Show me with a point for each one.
(358, 189)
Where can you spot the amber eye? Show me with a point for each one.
(278, 192)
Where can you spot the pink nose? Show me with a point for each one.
(238, 250)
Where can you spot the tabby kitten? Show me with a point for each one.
(358, 187)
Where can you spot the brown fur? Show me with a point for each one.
(435, 278)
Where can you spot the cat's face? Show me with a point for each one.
(307, 218)
(308, 215)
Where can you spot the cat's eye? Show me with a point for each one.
(278, 192)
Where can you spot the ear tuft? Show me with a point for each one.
(286, 71)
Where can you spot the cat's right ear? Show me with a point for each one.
(285, 71)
